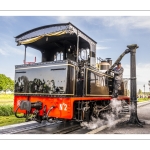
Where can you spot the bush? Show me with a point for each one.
(6, 110)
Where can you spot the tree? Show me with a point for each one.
(6, 83)
(140, 91)
(128, 93)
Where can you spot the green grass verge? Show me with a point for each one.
(9, 120)
(6, 96)
(7, 116)
(6, 110)
(143, 99)
(6, 99)
(6, 102)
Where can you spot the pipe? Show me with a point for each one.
(17, 115)
(77, 61)
(51, 108)
(25, 55)
(103, 108)
(119, 58)
(77, 45)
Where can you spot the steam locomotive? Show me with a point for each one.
(67, 84)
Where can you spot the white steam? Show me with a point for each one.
(95, 123)
(110, 117)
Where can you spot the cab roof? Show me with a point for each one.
(49, 37)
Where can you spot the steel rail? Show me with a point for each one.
(25, 127)
(68, 129)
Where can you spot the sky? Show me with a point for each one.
(111, 33)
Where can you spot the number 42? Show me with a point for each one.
(63, 106)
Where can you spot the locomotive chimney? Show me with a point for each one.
(109, 61)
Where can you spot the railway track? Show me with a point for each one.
(140, 104)
(13, 129)
(68, 129)
(24, 127)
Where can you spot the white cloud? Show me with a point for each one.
(125, 23)
(118, 23)
(9, 19)
(2, 52)
(121, 23)
(101, 47)
(8, 49)
(106, 40)
(15, 50)
(143, 75)
(64, 19)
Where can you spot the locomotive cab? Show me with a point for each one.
(58, 42)
(62, 46)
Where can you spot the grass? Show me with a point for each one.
(6, 99)
(9, 120)
(6, 110)
(6, 96)
(143, 99)
(6, 102)
(7, 116)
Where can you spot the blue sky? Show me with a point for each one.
(112, 35)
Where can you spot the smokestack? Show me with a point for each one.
(109, 61)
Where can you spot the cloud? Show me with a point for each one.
(2, 52)
(106, 40)
(8, 50)
(126, 23)
(142, 72)
(9, 20)
(121, 23)
(64, 19)
(101, 47)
